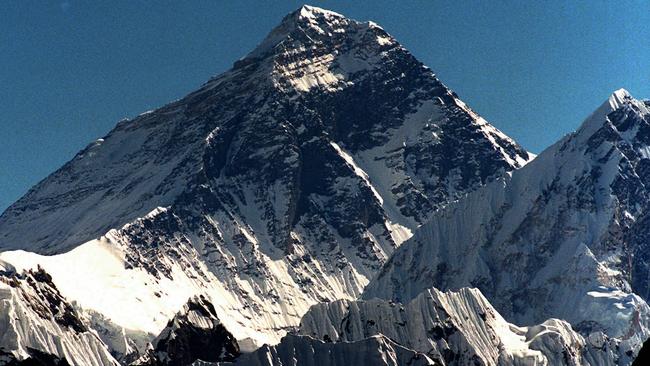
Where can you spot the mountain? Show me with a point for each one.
(436, 328)
(563, 237)
(38, 326)
(285, 181)
(643, 357)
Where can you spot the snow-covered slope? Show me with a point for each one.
(456, 328)
(304, 350)
(36, 322)
(283, 182)
(565, 236)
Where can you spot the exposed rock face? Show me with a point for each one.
(38, 326)
(283, 182)
(562, 237)
(195, 333)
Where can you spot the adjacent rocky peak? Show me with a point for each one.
(195, 333)
(620, 97)
(295, 26)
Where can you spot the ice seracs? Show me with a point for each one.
(455, 328)
(316, 33)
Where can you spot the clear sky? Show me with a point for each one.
(70, 69)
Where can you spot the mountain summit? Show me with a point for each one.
(297, 26)
(287, 180)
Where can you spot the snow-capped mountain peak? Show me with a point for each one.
(286, 181)
(314, 22)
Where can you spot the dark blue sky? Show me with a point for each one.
(69, 70)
